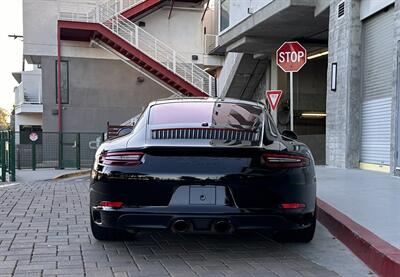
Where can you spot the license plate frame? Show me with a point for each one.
(202, 195)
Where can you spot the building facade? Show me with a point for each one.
(98, 83)
(349, 84)
(28, 101)
(105, 60)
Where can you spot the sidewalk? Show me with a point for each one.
(29, 176)
(371, 199)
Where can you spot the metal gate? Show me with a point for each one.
(377, 87)
(55, 150)
(7, 156)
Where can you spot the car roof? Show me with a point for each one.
(205, 99)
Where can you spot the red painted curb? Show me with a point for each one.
(377, 254)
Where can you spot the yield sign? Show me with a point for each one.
(274, 96)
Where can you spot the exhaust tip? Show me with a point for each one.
(222, 226)
(180, 226)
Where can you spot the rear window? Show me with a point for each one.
(185, 113)
(219, 114)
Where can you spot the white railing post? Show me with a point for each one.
(121, 5)
(210, 80)
(155, 49)
(137, 36)
(174, 61)
(192, 73)
(97, 13)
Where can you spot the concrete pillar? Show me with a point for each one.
(343, 107)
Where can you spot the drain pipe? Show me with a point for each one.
(59, 105)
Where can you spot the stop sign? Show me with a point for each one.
(291, 56)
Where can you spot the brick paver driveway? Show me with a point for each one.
(44, 231)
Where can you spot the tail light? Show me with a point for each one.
(121, 158)
(284, 160)
(110, 204)
(292, 205)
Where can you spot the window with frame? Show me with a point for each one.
(224, 15)
(64, 82)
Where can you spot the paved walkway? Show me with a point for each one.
(44, 231)
(371, 199)
(42, 174)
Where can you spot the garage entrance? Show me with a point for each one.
(377, 91)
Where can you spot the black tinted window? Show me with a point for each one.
(219, 114)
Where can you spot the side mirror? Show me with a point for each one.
(289, 134)
(124, 131)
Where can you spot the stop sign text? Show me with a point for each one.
(291, 56)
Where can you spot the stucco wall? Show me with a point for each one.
(369, 7)
(99, 91)
(184, 31)
(27, 119)
(40, 31)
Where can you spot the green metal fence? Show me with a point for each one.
(7, 156)
(30, 150)
(55, 150)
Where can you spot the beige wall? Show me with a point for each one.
(28, 119)
(182, 32)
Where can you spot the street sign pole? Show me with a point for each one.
(291, 57)
(291, 102)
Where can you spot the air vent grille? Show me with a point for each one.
(203, 133)
(340, 9)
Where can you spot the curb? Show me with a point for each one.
(377, 254)
(72, 174)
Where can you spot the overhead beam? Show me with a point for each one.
(252, 45)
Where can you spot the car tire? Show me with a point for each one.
(301, 236)
(109, 234)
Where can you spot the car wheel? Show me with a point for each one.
(303, 235)
(110, 234)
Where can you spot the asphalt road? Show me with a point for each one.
(44, 231)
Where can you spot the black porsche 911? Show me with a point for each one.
(203, 165)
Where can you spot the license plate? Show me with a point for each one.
(202, 195)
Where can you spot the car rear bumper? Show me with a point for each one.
(199, 219)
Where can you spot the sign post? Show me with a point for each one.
(291, 57)
(33, 137)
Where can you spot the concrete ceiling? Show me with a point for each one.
(280, 21)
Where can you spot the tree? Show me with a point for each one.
(4, 116)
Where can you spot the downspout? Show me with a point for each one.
(59, 104)
(205, 10)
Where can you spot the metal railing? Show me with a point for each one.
(108, 15)
(55, 150)
(119, 6)
(24, 98)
